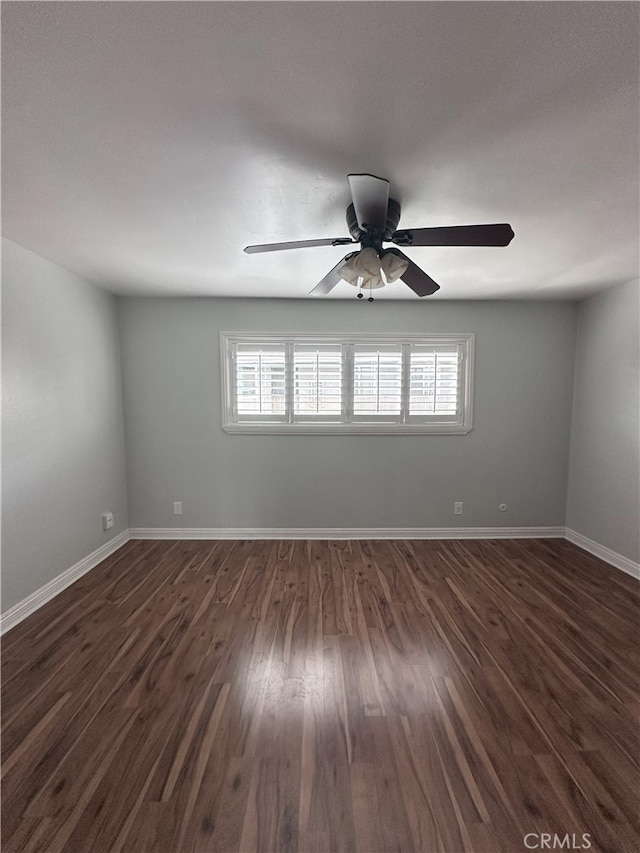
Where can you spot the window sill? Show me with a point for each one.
(346, 429)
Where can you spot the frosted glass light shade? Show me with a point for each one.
(367, 270)
(393, 267)
(363, 269)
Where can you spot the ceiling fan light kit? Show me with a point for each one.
(372, 218)
(367, 269)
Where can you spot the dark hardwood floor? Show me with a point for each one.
(326, 696)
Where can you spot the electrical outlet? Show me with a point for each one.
(177, 507)
(457, 508)
(107, 521)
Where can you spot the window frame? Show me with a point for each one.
(458, 424)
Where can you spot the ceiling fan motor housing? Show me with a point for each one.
(391, 224)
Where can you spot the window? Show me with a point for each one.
(359, 384)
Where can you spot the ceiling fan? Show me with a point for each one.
(372, 218)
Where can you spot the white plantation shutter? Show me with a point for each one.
(260, 380)
(377, 380)
(317, 379)
(358, 384)
(433, 380)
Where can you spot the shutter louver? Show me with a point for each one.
(433, 381)
(317, 380)
(260, 380)
(377, 380)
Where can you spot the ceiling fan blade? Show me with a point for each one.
(370, 201)
(415, 278)
(298, 244)
(331, 278)
(456, 235)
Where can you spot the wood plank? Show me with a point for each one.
(365, 697)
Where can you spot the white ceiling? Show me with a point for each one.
(145, 144)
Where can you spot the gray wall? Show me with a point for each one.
(604, 476)
(517, 451)
(62, 428)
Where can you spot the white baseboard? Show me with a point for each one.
(604, 553)
(33, 602)
(346, 532)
